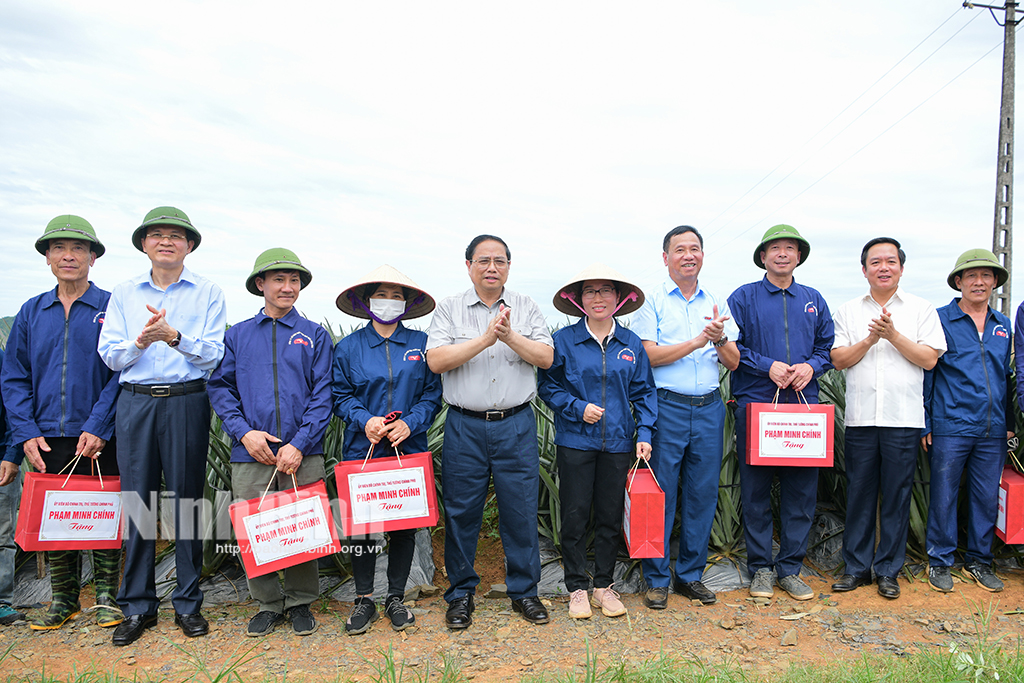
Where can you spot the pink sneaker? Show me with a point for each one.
(579, 606)
(608, 601)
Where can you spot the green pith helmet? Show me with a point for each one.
(68, 227)
(978, 258)
(166, 215)
(277, 259)
(782, 232)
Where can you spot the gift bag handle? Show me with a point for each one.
(74, 463)
(632, 474)
(800, 395)
(273, 476)
(388, 419)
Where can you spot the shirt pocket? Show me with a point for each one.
(465, 334)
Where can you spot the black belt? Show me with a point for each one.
(491, 415)
(180, 389)
(704, 400)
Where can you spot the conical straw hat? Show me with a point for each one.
(420, 303)
(597, 271)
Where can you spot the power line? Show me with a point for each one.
(865, 146)
(833, 120)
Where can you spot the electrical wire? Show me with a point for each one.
(833, 120)
(865, 146)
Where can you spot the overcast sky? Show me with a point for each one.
(362, 133)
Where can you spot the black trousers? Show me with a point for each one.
(591, 479)
(164, 436)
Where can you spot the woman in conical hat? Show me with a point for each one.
(602, 392)
(378, 369)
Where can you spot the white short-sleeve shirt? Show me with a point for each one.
(884, 389)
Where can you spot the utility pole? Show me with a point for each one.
(1002, 231)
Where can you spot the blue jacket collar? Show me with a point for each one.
(580, 333)
(91, 297)
(290, 318)
(773, 288)
(399, 336)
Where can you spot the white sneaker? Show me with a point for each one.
(579, 605)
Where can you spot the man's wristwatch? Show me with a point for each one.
(721, 342)
(174, 342)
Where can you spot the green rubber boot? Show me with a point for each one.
(106, 571)
(65, 585)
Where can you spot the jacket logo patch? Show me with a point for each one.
(299, 338)
(627, 355)
(1000, 331)
(809, 308)
(413, 355)
(99, 317)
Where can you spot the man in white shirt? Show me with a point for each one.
(885, 339)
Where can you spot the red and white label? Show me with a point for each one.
(80, 516)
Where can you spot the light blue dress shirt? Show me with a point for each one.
(668, 318)
(195, 307)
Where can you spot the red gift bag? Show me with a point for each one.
(284, 528)
(794, 434)
(69, 512)
(386, 494)
(1010, 518)
(643, 515)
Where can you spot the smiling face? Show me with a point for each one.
(70, 260)
(167, 246)
(280, 291)
(684, 257)
(489, 268)
(781, 257)
(882, 268)
(976, 284)
(599, 299)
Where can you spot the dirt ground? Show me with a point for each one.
(500, 645)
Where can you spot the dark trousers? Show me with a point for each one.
(401, 547)
(62, 452)
(591, 479)
(982, 459)
(799, 489)
(474, 449)
(167, 436)
(687, 459)
(879, 460)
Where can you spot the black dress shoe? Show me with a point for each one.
(458, 615)
(129, 630)
(849, 582)
(532, 609)
(694, 590)
(192, 625)
(888, 587)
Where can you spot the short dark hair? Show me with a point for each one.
(471, 249)
(682, 229)
(881, 240)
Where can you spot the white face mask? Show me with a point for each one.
(388, 310)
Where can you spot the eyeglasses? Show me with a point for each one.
(174, 236)
(605, 292)
(486, 262)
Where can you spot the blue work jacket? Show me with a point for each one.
(54, 381)
(373, 376)
(967, 392)
(5, 426)
(275, 377)
(791, 325)
(614, 378)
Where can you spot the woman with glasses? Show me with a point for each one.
(379, 369)
(602, 392)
